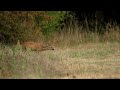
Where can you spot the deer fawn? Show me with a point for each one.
(34, 46)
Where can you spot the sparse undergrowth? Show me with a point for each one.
(92, 60)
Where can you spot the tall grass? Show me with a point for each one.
(79, 42)
(95, 60)
(16, 63)
(76, 33)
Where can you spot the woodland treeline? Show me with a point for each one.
(28, 25)
(34, 25)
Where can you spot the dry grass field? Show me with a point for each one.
(76, 55)
(85, 61)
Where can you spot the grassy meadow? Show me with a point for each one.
(77, 55)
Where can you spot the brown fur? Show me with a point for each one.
(36, 46)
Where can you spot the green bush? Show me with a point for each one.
(28, 25)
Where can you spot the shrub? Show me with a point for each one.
(28, 25)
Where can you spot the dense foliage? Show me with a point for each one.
(28, 25)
